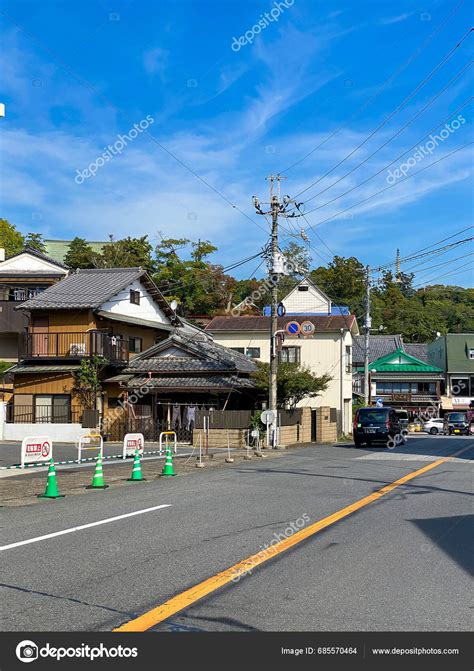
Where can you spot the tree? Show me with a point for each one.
(79, 254)
(344, 282)
(35, 241)
(294, 383)
(11, 240)
(87, 384)
(126, 253)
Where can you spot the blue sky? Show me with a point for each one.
(75, 75)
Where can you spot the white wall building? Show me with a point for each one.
(328, 350)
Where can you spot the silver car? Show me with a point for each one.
(433, 426)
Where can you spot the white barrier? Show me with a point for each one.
(86, 439)
(168, 433)
(132, 442)
(35, 449)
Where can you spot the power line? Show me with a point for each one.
(391, 186)
(356, 167)
(440, 265)
(411, 95)
(388, 81)
(459, 271)
(413, 257)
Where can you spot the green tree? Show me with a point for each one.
(294, 383)
(79, 254)
(87, 382)
(35, 241)
(126, 253)
(11, 240)
(344, 282)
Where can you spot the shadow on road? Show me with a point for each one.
(452, 535)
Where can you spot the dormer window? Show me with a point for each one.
(134, 297)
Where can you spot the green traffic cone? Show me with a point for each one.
(98, 479)
(137, 469)
(168, 467)
(51, 491)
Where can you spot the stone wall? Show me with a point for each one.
(326, 431)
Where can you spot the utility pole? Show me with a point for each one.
(275, 270)
(367, 325)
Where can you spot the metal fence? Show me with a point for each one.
(30, 414)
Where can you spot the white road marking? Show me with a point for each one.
(82, 526)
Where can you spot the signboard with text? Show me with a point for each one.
(36, 449)
(131, 443)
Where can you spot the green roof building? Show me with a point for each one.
(454, 353)
(57, 249)
(401, 380)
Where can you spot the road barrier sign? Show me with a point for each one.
(87, 439)
(36, 449)
(293, 328)
(131, 443)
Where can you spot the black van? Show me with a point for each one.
(373, 425)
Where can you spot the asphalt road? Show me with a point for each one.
(403, 562)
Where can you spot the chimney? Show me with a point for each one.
(2, 254)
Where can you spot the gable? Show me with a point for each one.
(306, 298)
(148, 309)
(29, 262)
(400, 360)
(173, 351)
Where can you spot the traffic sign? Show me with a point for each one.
(268, 416)
(132, 442)
(35, 449)
(307, 328)
(379, 402)
(293, 328)
(281, 310)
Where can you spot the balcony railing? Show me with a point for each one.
(72, 345)
(30, 414)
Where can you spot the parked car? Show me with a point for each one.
(373, 425)
(455, 423)
(403, 417)
(434, 425)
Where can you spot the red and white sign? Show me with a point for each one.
(131, 443)
(36, 449)
(307, 328)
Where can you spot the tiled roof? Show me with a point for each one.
(259, 323)
(205, 354)
(191, 382)
(89, 289)
(84, 289)
(379, 345)
(34, 369)
(418, 350)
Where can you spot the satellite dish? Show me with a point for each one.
(174, 305)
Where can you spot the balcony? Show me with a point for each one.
(72, 346)
(11, 320)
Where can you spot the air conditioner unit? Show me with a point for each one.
(77, 348)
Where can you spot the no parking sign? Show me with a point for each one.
(36, 449)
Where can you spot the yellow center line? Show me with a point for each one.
(202, 589)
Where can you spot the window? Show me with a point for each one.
(134, 297)
(135, 345)
(240, 350)
(303, 287)
(114, 401)
(348, 359)
(290, 355)
(253, 352)
(55, 408)
(471, 352)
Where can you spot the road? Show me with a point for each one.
(403, 561)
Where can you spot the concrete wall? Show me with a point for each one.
(326, 431)
(61, 433)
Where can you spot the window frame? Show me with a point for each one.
(296, 349)
(256, 356)
(135, 297)
(135, 338)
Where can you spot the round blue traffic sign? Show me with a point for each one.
(293, 328)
